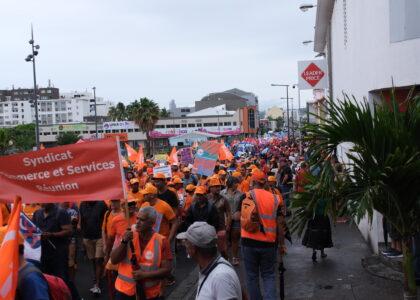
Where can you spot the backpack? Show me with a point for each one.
(250, 220)
(57, 288)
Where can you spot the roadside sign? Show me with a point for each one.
(313, 74)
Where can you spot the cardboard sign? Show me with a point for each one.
(78, 172)
(161, 157)
(186, 156)
(205, 158)
(166, 170)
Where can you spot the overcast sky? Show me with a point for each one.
(161, 49)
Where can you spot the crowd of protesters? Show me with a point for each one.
(235, 216)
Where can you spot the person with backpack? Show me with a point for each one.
(34, 285)
(202, 210)
(217, 278)
(262, 236)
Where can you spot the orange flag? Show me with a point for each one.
(124, 162)
(9, 255)
(140, 157)
(224, 153)
(132, 154)
(173, 157)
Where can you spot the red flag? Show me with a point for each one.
(9, 255)
(173, 157)
(140, 158)
(132, 154)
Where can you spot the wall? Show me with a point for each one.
(364, 59)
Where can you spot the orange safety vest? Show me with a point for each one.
(267, 204)
(149, 260)
(277, 192)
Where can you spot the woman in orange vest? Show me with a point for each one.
(144, 259)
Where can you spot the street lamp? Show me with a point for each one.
(307, 42)
(306, 7)
(287, 107)
(96, 119)
(31, 57)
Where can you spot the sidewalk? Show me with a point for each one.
(339, 276)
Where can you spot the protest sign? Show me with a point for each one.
(78, 172)
(205, 158)
(186, 156)
(166, 170)
(162, 157)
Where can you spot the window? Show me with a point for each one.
(199, 125)
(191, 125)
(403, 20)
(210, 124)
(183, 125)
(220, 124)
(227, 124)
(251, 118)
(130, 130)
(158, 126)
(234, 123)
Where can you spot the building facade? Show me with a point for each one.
(233, 99)
(17, 107)
(177, 112)
(371, 47)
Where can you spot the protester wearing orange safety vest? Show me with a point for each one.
(261, 230)
(144, 259)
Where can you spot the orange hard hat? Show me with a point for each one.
(190, 188)
(214, 182)
(201, 190)
(258, 175)
(159, 176)
(177, 180)
(149, 189)
(271, 179)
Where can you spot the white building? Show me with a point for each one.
(177, 112)
(70, 107)
(371, 46)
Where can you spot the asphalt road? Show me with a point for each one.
(339, 276)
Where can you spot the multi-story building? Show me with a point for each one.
(216, 120)
(16, 106)
(177, 112)
(233, 99)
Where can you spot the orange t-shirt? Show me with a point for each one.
(107, 223)
(165, 214)
(244, 186)
(119, 225)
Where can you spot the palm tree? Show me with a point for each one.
(164, 113)
(145, 113)
(383, 172)
(118, 112)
